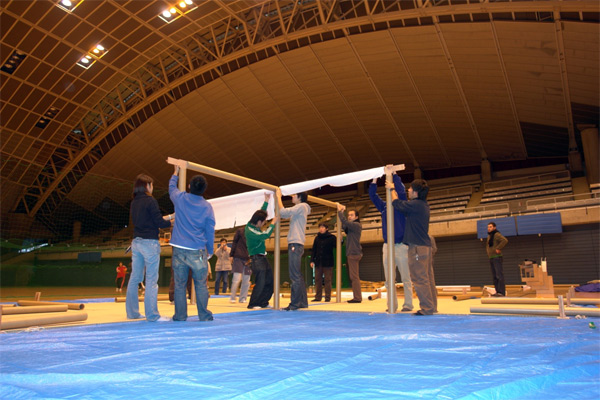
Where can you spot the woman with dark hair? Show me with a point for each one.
(145, 249)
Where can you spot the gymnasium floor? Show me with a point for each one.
(345, 351)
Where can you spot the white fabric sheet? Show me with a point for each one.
(336, 180)
(236, 210)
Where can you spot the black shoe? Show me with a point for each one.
(289, 308)
(316, 300)
(497, 295)
(418, 313)
(354, 301)
(327, 300)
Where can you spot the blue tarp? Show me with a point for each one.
(307, 355)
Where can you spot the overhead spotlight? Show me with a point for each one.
(48, 115)
(15, 59)
(95, 54)
(177, 10)
(68, 5)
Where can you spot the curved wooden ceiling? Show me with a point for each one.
(283, 91)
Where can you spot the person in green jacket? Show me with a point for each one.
(495, 244)
(255, 241)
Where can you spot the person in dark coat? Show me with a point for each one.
(322, 261)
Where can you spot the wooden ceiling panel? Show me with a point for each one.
(481, 78)
(582, 56)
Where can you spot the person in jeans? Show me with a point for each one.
(353, 229)
(322, 261)
(298, 215)
(495, 243)
(192, 240)
(416, 235)
(263, 274)
(145, 249)
(240, 263)
(400, 249)
(222, 266)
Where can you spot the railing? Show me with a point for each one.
(561, 202)
(526, 181)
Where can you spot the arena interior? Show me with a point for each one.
(495, 103)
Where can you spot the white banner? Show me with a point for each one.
(237, 209)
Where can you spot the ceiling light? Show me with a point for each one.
(15, 59)
(177, 10)
(100, 47)
(95, 54)
(68, 5)
(48, 115)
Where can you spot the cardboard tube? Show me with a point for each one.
(459, 297)
(122, 299)
(525, 300)
(535, 311)
(43, 320)
(375, 296)
(455, 294)
(34, 309)
(71, 306)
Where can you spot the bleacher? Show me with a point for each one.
(514, 191)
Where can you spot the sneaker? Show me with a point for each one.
(354, 301)
(163, 319)
(242, 301)
(232, 301)
(406, 309)
(256, 307)
(267, 306)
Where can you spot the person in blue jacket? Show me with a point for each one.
(416, 235)
(192, 239)
(400, 248)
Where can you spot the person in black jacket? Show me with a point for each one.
(322, 261)
(240, 265)
(145, 249)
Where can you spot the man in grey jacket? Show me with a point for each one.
(298, 215)
(353, 229)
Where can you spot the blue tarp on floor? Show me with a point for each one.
(308, 355)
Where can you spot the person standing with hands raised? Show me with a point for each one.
(416, 235)
(298, 215)
(192, 240)
(257, 251)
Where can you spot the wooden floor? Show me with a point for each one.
(113, 312)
